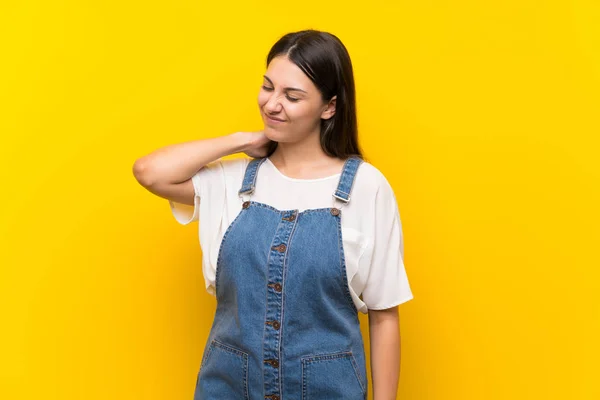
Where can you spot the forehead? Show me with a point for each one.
(283, 72)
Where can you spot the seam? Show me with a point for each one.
(325, 356)
(206, 354)
(350, 175)
(246, 393)
(262, 354)
(307, 211)
(248, 174)
(251, 173)
(359, 162)
(284, 274)
(220, 255)
(356, 371)
(304, 380)
(229, 348)
(243, 355)
(317, 358)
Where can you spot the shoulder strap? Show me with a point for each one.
(347, 179)
(249, 181)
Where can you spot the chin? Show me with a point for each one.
(273, 133)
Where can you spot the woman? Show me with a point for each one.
(290, 264)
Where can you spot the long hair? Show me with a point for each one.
(326, 62)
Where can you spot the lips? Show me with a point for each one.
(275, 119)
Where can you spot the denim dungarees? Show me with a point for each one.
(285, 326)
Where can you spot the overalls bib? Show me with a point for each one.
(285, 326)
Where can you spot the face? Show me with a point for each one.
(290, 97)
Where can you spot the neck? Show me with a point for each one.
(303, 153)
(305, 159)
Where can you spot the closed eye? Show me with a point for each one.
(268, 89)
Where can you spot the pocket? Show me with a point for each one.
(333, 376)
(223, 373)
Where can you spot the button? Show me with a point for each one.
(335, 211)
(273, 362)
(272, 397)
(276, 286)
(281, 248)
(246, 204)
(276, 325)
(290, 218)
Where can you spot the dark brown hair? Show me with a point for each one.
(326, 62)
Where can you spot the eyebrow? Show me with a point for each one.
(287, 88)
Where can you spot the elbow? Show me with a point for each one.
(142, 172)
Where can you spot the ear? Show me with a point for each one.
(330, 110)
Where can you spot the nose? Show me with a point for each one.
(273, 106)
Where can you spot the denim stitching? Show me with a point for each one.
(284, 256)
(249, 181)
(250, 171)
(348, 177)
(220, 255)
(346, 171)
(229, 348)
(359, 163)
(255, 172)
(307, 211)
(329, 357)
(357, 372)
(243, 359)
(344, 174)
(325, 356)
(206, 355)
(283, 301)
(246, 393)
(266, 299)
(304, 379)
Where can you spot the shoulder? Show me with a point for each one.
(231, 163)
(228, 166)
(220, 174)
(371, 179)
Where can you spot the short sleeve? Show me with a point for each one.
(209, 184)
(387, 283)
(185, 213)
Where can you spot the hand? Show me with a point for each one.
(257, 144)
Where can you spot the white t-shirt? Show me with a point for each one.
(371, 226)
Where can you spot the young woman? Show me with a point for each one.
(297, 238)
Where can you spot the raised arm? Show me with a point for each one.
(167, 172)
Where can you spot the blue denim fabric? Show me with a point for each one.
(285, 325)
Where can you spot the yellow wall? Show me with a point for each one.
(484, 116)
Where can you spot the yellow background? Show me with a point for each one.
(483, 116)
